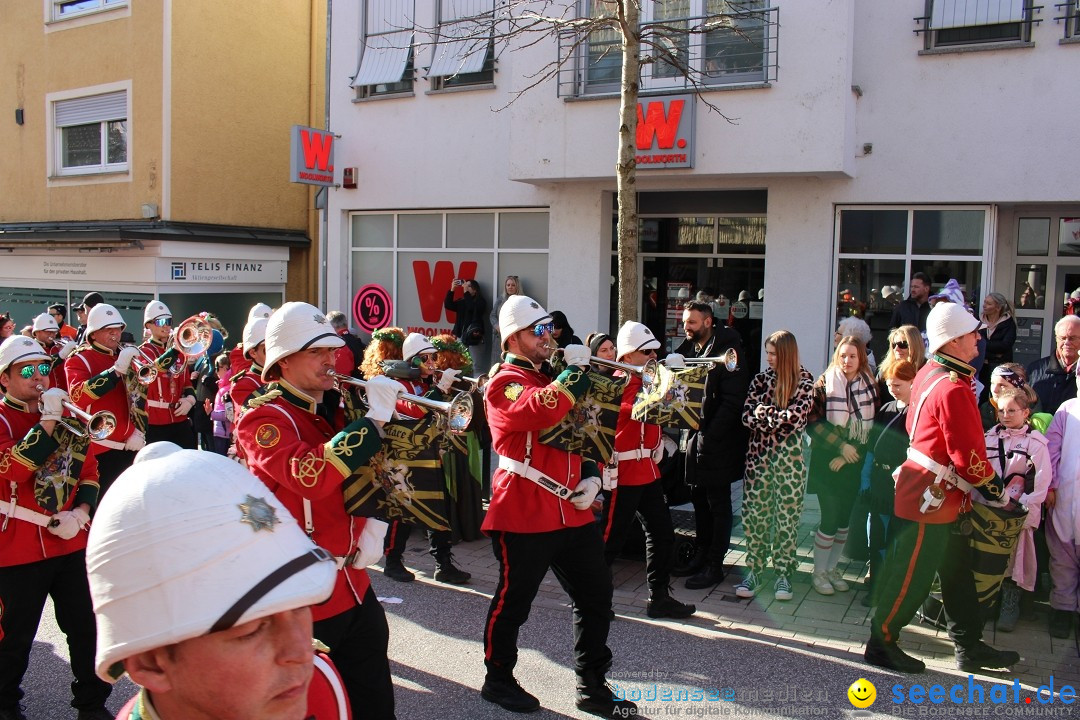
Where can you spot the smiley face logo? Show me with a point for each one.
(862, 693)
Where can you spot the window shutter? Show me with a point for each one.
(96, 108)
(966, 13)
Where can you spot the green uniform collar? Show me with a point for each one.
(518, 361)
(953, 365)
(295, 396)
(17, 404)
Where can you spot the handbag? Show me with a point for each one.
(474, 334)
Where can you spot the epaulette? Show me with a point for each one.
(262, 396)
(81, 347)
(494, 370)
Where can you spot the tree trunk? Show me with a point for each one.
(626, 168)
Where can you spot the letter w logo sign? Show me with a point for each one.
(317, 149)
(652, 123)
(431, 286)
(311, 156)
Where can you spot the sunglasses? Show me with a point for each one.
(902, 344)
(541, 329)
(427, 357)
(43, 369)
(163, 322)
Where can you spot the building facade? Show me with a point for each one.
(148, 155)
(835, 149)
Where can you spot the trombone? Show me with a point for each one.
(458, 412)
(729, 359)
(99, 426)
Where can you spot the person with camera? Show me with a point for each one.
(931, 531)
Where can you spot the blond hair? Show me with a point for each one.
(788, 368)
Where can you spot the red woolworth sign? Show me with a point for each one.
(311, 156)
(665, 132)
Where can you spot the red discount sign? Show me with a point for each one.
(372, 307)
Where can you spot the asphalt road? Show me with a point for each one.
(437, 660)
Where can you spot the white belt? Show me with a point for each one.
(941, 472)
(527, 471)
(21, 513)
(111, 444)
(160, 404)
(639, 454)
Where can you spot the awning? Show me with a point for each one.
(104, 234)
(465, 28)
(384, 59)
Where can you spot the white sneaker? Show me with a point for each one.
(820, 581)
(749, 586)
(837, 580)
(782, 588)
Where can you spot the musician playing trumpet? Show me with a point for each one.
(633, 481)
(97, 373)
(169, 396)
(305, 458)
(46, 330)
(48, 491)
(540, 515)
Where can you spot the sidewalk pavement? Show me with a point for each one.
(830, 624)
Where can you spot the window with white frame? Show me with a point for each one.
(463, 54)
(386, 52)
(952, 23)
(91, 134)
(64, 9)
(685, 43)
(881, 248)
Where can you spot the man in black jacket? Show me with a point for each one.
(1053, 377)
(716, 453)
(914, 310)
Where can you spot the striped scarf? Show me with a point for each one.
(850, 405)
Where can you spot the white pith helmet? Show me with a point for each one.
(517, 313)
(293, 327)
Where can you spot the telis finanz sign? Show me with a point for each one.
(311, 156)
(665, 132)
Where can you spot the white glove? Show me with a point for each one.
(184, 405)
(585, 492)
(124, 358)
(382, 394)
(609, 477)
(667, 447)
(66, 524)
(675, 361)
(135, 442)
(67, 349)
(447, 379)
(52, 403)
(577, 355)
(370, 546)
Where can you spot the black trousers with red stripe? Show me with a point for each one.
(576, 556)
(647, 504)
(915, 553)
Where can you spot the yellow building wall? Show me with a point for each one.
(69, 57)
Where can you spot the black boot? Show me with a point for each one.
(692, 567)
(15, 712)
(594, 696)
(711, 574)
(394, 569)
(981, 656)
(506, 693)
(891, 657)
(662, 605)
(447, 572)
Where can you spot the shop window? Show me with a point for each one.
(420, 231)
(1029, 293)
(90, 134)
(523, 230)
(880, 249)
(1069, 236)
(372, 231)
(472, 230)
(1033, 236)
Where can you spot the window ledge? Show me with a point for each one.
(1075, 40)
(95, 178)
(90, 17)
(668, 91)
(384, 96)
(460, 88)
(979, 47)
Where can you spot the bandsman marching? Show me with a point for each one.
(169, 396)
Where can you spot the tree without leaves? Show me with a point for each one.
(666, 43)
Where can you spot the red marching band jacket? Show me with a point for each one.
(165, 391)
(243, 385)
(301, 457)
(520, 401)
(949, 432)
(59, 377)
(93, 386)
(635, 441)
(27, 453)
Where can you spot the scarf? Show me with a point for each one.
(850, 404)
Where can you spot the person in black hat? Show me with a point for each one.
(82, 309)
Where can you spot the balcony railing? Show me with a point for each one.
(702, 52)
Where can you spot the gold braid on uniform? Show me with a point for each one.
(344, 446)
(548, 397)
(308, 466)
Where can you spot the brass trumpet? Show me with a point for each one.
(146, 368)
(649, 372)
(729, 359)
(477, 383)
(458, 412)
(99, 426)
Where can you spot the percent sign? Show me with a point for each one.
(372, 307)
